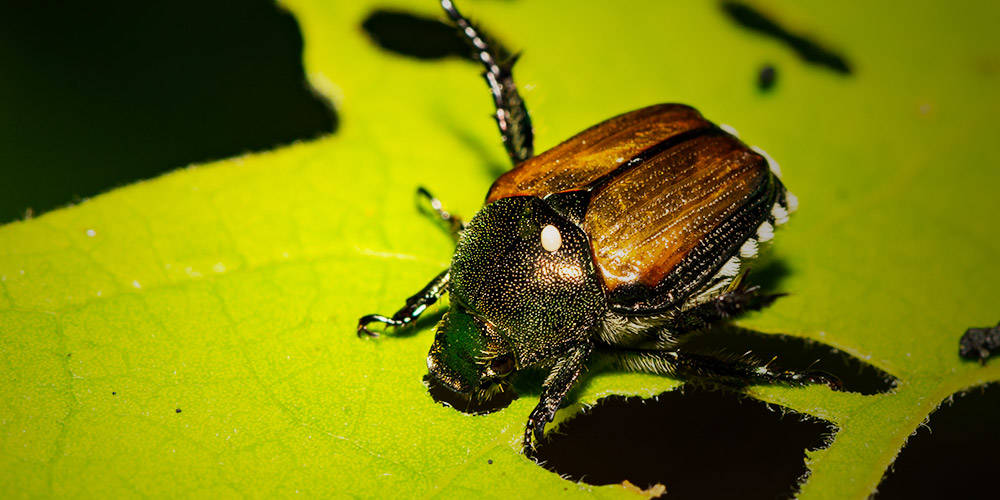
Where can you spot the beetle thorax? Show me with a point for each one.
(528, 272)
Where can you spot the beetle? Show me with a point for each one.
(615, 243)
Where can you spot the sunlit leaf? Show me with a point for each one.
(194, 334)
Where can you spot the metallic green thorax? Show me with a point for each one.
(512, 297)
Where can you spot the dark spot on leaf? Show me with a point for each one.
(807, 49)
(955, 457)
(766, 77)
(466, 403)
(787, 352)
(96, 95)
(113, 393)
(698, 443)
(177, 410)
(490, 461)
(422, 37)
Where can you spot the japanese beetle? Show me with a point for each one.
(616, 242)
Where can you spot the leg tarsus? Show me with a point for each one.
(414, 307)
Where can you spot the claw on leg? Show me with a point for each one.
(414, 307)
(373, 318)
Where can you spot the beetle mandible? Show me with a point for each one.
(616, 242)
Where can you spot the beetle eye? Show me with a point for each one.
(551, 239)
(501, 366)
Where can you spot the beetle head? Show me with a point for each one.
(467, 356)
(523, 290)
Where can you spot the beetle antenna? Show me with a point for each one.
(511, 114)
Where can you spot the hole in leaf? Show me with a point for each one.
(766, 77)
(808, 50)
(794, 353)
(956, 457)
(696, 442)
(414, 36)
(422, 37)
(99, 94)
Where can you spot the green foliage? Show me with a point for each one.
(194, 334)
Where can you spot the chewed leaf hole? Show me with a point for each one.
(412, 35)
(422, 37)
(789, 352)
(955, 456)
(806, 48)
(696, 442)
(129, 90)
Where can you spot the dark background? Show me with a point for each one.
(94, 95)
(98, 95)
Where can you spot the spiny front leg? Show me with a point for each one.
(414, 307)
(554, 390)
(511, 114)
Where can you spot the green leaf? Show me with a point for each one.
(194, 334)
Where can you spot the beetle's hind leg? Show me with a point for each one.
(739, 371)
(511, 114)
(414, 307)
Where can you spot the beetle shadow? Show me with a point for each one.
(780, 352)
(768, 274)
(481, 150)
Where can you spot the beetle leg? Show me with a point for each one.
(554, 390)
(454, 222)
(737, 372)
(725, 306)
(511, 114)
(748, 370)
(415, 305)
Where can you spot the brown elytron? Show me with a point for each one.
(663, 182)
(596, 151)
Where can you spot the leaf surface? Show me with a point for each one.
(194, 334)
